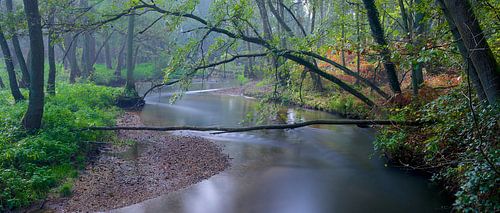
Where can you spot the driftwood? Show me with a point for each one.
(220, 130)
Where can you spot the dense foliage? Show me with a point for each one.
(461, 148)
(32, 164)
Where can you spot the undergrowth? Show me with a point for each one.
(461, 147)
(32, 164)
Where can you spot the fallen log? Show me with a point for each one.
(220, 130)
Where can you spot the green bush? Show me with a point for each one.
(461, 147)
(30, 165)
(66, 189)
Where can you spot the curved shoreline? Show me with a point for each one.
(158, 163)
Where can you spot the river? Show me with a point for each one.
(311, 169)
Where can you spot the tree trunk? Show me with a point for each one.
(25, 77)
(342, 31)
(119, 61)
(249, 65)
(265, 19)
(51, 81)
(220, 130)
(87, 56)
(358, 41)
(71, 43)
(470, 70)
(417, 74)
(266, 26)
(92, 51)
(32, 120)
(331, 78)
(404, 16)
(378, 35)
(14, 88)
(130, 86)
(478, 49)
(136, 53)
(107, 56)
(316, 80)
(2, 85)
(102, 46)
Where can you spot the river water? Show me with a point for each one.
(312, 169)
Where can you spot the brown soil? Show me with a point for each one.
(160, 163)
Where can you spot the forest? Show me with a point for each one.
(250, 106)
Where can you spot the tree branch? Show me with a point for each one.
(280, 19)
(203, 67)
(348, 72)
(267, 45)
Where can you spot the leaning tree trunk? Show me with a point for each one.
(14, 88)
(25, 77)
(471, 71)
(378, 35)
(130, 86)
(51, 81)
(71, 43)
(32, 120)
(479, 52)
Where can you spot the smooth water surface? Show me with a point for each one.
(311, 169)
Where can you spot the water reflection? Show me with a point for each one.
(311, 169)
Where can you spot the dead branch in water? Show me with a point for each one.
(220, 130)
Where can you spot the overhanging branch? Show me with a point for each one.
(348, 72)
(267, 45)
(203, 67)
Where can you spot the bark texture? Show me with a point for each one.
(25, 77)
(470, 69)
(32, 120)
(14, 87)
(130, 54)
(51, 81)
(378, 35)
(479, 52)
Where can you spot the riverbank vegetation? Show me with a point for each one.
(32, 164)
(434, 62)
(460, 150)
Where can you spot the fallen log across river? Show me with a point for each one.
(221, 130)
